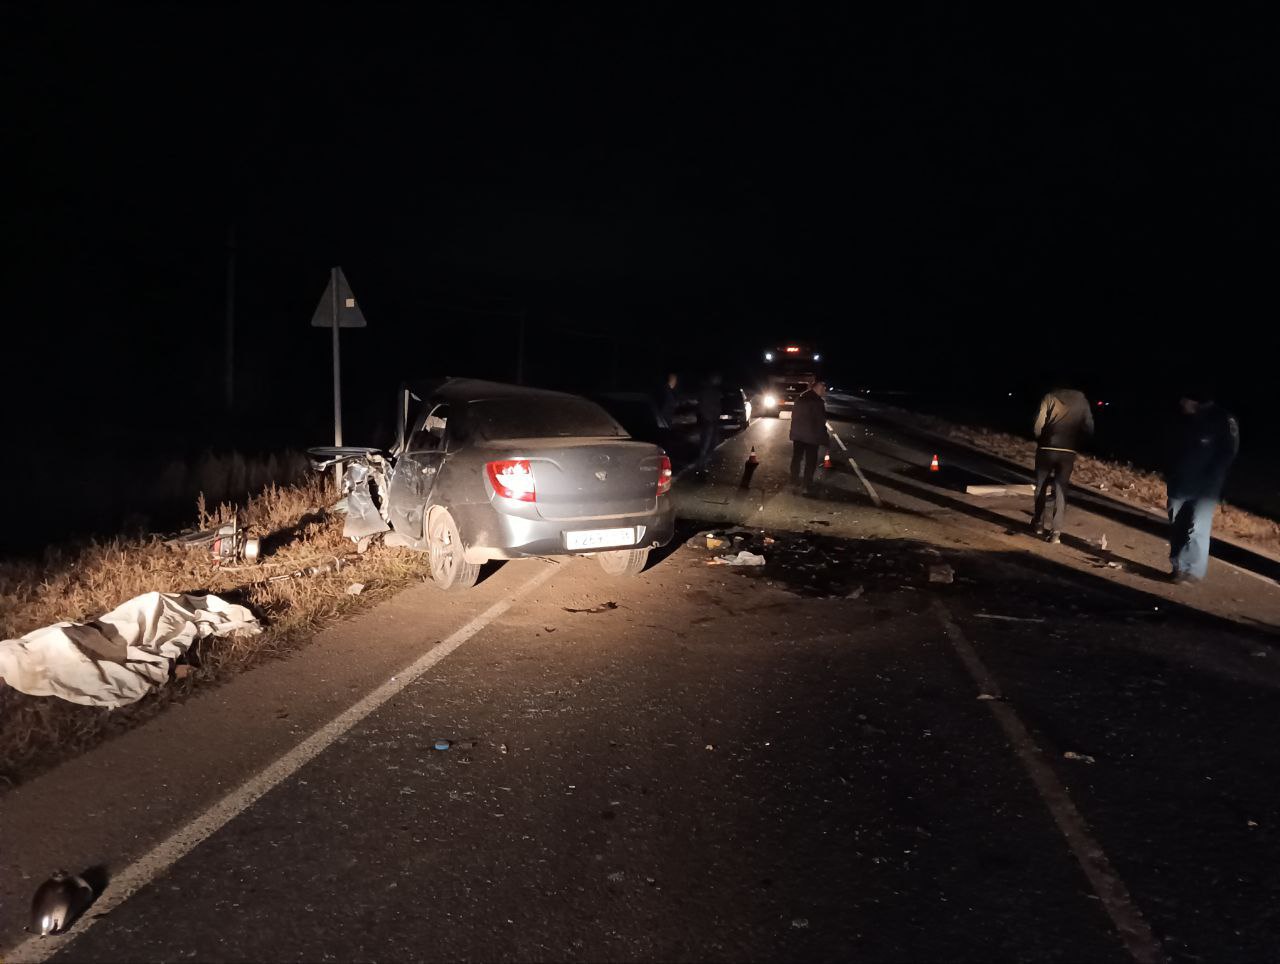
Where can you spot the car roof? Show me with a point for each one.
(476, 389)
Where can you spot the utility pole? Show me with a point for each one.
(229, 339)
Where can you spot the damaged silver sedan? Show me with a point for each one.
(485, 471)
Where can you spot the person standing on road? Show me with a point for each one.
(667, 398)
(1064, 422)
(1206, 442)
(710, 407)
(808, 433)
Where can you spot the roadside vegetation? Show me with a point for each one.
(80, 584)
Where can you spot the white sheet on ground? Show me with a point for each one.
(118, 658)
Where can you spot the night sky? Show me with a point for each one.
(962, 198)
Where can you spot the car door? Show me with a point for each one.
(416, 472)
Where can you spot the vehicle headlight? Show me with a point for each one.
(771, 401)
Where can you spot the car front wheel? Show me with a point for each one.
(449, 567)
(623, 562)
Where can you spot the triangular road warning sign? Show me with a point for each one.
(349, 313)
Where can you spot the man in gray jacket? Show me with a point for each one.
(808, 433)
(1065, 421)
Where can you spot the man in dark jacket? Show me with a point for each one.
(808, 433)
(667, 399)
(1063, 424)
(1206, 443)
(710, 407)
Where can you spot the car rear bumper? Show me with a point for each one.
(491, 534)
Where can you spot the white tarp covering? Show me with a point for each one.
(118, 658)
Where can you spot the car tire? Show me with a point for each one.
(623, 562)
(449, 567)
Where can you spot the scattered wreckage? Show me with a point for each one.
(483, 471)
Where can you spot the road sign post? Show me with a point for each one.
(337, 309)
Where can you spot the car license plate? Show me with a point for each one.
(600, 538)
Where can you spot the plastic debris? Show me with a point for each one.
(602, 608)
(942, 574)
(355, 589)
(1081, 757)
(987, 696)
(800, 923)
(743, 558)
(1102, 543)
(716, 542)
(443, 744)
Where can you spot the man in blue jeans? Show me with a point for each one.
(1205, 444)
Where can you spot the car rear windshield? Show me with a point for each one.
(534, 417)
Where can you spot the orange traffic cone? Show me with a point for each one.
(934, 466)
(753, 458)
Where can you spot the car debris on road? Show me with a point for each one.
(602, 608)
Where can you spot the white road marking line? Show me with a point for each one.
(1137, 936)
(169, 851)
(875, 496)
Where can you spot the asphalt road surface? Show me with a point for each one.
(916, 734)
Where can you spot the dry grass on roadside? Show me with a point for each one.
(1116, 478)
(80, 585)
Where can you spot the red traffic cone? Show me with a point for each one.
(749, 469)
(826, 460)
(934, 466)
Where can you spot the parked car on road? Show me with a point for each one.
(736, 413)
(490, 471)
(637, 413)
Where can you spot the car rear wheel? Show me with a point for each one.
(623, 562)
(449, 567)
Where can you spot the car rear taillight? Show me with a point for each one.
(512, 479)
(664, 476)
